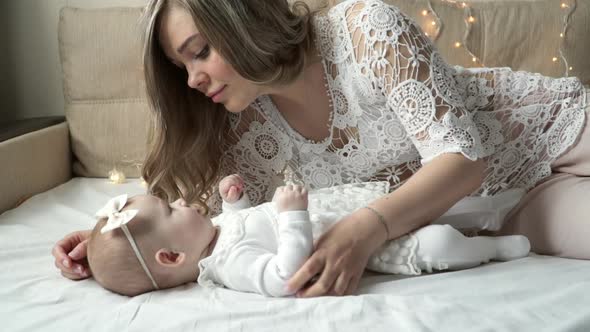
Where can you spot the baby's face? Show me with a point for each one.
(183, 225)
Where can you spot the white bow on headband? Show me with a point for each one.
(117, 219)
(112, 211)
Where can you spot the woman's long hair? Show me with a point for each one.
(265, 41)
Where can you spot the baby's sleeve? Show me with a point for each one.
(242, 203)
(418, 85)
(254, 267)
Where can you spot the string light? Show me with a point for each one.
(431, 23)
(470, 19)
(566, 22)
(117, 176)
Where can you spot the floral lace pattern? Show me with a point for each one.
(396, 103)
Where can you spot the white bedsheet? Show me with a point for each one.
(538, 293)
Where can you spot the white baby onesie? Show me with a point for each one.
(258, 249)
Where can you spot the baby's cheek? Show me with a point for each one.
(184, 235)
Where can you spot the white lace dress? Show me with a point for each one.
(397, 104)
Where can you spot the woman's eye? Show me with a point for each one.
(203, 54)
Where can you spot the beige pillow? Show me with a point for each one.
(105, 106)
(525, 35)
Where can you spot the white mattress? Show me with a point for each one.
(533, 294)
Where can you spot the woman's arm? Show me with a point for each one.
(420, 90)
(429, 193)
(341, 254)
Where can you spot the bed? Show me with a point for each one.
(537, 293)
(59, 174)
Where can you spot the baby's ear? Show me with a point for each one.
(169, 258)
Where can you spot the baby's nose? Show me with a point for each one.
(181, 202)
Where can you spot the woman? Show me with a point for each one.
(355, 93)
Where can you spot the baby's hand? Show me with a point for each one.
(231, 188)
(291, 198)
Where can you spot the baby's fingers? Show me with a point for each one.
(232, 194)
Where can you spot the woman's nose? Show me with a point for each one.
(197, 81)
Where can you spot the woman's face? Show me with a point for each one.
(207, 71)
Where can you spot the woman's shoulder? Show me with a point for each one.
(367, 16)
(352, 26)
(354, 7)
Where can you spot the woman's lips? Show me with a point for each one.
(217, 95)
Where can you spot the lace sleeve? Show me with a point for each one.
(418, 84)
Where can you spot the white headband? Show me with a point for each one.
(117, 219)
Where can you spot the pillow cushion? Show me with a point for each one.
(105, 104)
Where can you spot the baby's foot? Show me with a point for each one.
(512, 247)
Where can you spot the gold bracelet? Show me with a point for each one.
(380, 218)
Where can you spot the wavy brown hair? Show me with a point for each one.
(265, 41)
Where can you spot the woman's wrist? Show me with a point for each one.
(372, 228)
(381, 220)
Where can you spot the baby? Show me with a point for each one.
(143, 243)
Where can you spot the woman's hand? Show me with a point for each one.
(340, 257)
(70, 255)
